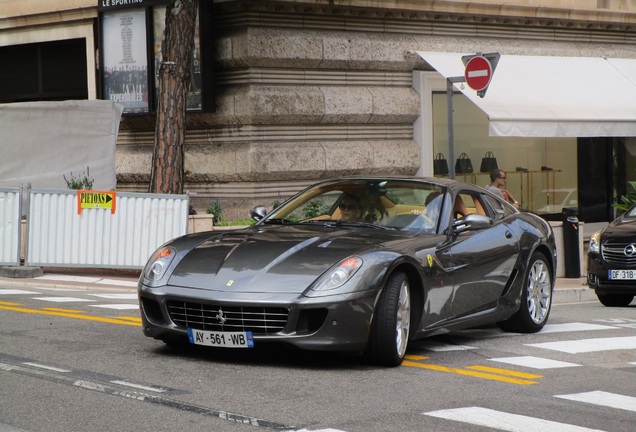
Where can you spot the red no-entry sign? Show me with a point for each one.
(478, 73)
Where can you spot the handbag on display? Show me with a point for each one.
(440, 164)
(488, 162)
(463, 165)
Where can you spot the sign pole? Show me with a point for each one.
(477, 74)
(451, 120)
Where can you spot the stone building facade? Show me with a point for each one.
(307, 90)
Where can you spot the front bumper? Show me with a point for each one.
(334, 323)
(597, 278)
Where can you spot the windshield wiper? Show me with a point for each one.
(345, 223)
(280, 221)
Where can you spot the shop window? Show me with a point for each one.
(541, 172)
(44, 71)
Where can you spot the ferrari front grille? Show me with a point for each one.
(621, 254)
(258, 320)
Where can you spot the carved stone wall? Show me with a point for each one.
(306, 91)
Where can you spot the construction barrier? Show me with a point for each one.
(10, 225)
(100, 228)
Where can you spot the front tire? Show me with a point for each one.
(391, 323)
(536, 298)
(615, 300)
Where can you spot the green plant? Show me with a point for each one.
(216, 210)
(626, 201)
(238, 222)
(315, 208)
(276, 204)
(83, 182)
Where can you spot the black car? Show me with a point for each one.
(355, 264)
(611, 261)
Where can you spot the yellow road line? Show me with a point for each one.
(505, 372)
(10, 304)
(476, 374)
(415, 357)
(70, 315)
(129, 318)
(73, 311)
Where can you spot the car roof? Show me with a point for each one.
(451, 184)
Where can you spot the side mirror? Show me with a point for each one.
(258, 213)
(473, 221)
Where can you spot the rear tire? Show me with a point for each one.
(536, 298)
(615, 300)
(391, 323)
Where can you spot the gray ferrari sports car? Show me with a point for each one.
(355, 264)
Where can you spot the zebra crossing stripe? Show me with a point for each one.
(504, 421)
(602, 398)
(535, 362)
(589, 345)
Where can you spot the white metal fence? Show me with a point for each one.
(63, 234)
(10, 225)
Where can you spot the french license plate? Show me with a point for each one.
(621, 274)
(221, 339)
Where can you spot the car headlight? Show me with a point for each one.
(159, 262)
(595, 243)
(338, 275)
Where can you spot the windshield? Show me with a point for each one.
(387, 204)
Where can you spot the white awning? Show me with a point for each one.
(533, 96)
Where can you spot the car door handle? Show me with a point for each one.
(508, 234)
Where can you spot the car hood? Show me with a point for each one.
(273, 259)
(621, 229)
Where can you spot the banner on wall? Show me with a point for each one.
(125, 61)
(131, 42)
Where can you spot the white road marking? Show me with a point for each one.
(41, 366)
(117, 282)
(16, 291)
(68, 278)
(604, 399)
(441, 347)
(535, 362)
(573, 327)
(116, 296)
(62, 299)
(505, 421)
(88, 279)
(318, 430)
(589, 345)
(139, 386)
(117, 306)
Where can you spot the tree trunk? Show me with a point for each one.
(174, 78)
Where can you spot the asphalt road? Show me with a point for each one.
(75, 359)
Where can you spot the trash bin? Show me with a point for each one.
(571, 251)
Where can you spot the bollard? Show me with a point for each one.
(571, 242)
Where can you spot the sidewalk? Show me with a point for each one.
(566, 290)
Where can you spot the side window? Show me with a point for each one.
(467, 203)
(500, 210)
